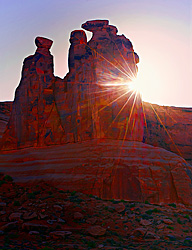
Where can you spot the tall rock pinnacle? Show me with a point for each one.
(92, 101)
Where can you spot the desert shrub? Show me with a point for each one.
(8, 178)
(172, 205)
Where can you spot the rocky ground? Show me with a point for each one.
(43, 217)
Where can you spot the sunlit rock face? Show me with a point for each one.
(94, 100)
(169, 128)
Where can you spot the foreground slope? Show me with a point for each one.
(43, 217)
(107, 168)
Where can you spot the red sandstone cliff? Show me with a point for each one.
(92, 101)
(95, 105)
(169, 128)
(165, 127)
(106, 168)
(5, 112)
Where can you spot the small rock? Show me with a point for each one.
(145, 222)
(10, 226)
(51, 222)
(78, 216)
(120, 207)
(151, 235)
(101, 246)
(15, 216)
(131, 216)
(33, 232)
(61, 220)
(168, 221)
(27, 226)
(110, 208)
(3, 204)
(181, 206)
(188, 238)
(43, 216)
(91, 221)
(160, 226)
(171, 237)
(60, 234)
(139, 232)
(57, 208)
(30, 216)
(1, 232)
(43, 205)
(96, 230)
(4, 219)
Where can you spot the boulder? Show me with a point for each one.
(96, 230)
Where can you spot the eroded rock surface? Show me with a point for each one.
(169, 128)
(5, 112)
(94, 100)
(107, 168)
(34, 118)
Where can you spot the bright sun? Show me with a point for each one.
(135, 85)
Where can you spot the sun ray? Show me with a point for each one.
(124, 60)
(106, 94)
(120, 111)
(162, 108)
(130, 117)
(144, 115)
(108, 61)
(166, 130)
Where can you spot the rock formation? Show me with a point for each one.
(175, 137)
(108, 168)
(94, 112)
(93, 100)
(169, 128)
(34, 118)
(5, 112)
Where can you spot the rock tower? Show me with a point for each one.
(94, 99)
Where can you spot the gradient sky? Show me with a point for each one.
(160, 31)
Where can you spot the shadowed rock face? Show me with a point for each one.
(34, 111)
(106, 168)
(5, 112)
(177, 121)
(92, 101)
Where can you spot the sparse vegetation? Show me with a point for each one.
(172, 205)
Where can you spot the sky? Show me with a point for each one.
(160, 31)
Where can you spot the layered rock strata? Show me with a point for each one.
(107, 168)
(171, 130)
